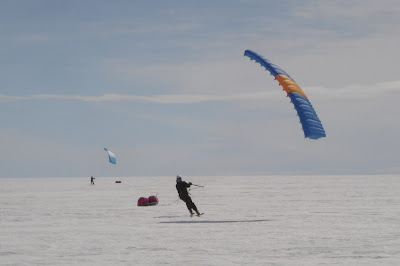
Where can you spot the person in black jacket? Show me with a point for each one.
(181, 187)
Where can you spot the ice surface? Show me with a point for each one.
(270, 220)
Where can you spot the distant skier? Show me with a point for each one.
(181, 187)
(92, 180)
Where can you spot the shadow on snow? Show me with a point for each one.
(214, 222)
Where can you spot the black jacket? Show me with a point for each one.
(182, 188)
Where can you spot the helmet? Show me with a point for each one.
(178, 176)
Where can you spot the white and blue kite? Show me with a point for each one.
(111, 156)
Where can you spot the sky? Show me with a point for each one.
(165, 86)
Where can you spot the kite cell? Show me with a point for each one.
(309, 120)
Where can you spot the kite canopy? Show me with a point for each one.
(309, 120)
(111, 156)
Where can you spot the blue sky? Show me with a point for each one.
(165, 86)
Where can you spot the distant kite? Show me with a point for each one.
(111, 156)
(309, 120)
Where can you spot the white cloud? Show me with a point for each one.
(321, 93)
(32, 38)
(7, 98)
(159, 99)
(359, 9)
(356, 91)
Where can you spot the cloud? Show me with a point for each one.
(30, 38)
(6, 98)
(320, 93)
(359, 9)
(158, 99)
(356, 91)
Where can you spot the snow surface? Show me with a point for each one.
(257, 220)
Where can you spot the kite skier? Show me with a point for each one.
(181, 187)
